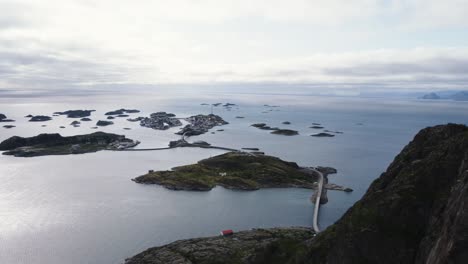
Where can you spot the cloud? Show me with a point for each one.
(323, 42)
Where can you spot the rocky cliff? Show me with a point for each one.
(415, 212)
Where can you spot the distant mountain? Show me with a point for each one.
(454, 95)
(431, 96)
(460, 96)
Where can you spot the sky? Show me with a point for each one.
(325, 44)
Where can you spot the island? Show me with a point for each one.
(317, 127)
(104, 123)
(8, 126)
(285, 132)
(200, 124)
(233, 170)
(55, 144)
(86, 119)
(276, 130)
(122, 111)
(40, 118)
(264, 126)
(75, 113)
(3, 118)
(159, 121)
(322, 135)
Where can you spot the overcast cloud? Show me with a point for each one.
(334, 43)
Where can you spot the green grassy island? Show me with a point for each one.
(233, 170)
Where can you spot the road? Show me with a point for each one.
(317, 200)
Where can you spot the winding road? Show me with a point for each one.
(317, 201)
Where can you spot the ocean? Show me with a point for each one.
(85, 208)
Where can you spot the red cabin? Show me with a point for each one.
(227, 232)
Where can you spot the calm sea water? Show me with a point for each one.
(85, 209)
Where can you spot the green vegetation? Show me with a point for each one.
(55, 144)
(233, 170)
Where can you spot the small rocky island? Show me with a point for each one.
(233, 170)
(3, 118)
(200, 124)
(158, 121)
(323, 134)
(104, 123)
(253, 246)
(40, 118)
(122, 111)
(276, 130)
(285, 132)
(76, 113)
(55, 144)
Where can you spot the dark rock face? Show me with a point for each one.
(75, 113)
(104, 123)
(40, 118)
(275, 245)
(415, 212)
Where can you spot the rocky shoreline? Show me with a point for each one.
(253, 246)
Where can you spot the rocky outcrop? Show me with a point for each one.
(415, 212)
(3, 118)
(40, 118)
(274, 245)
(55, 144)
(122, 111)
(76, 113)
(104, 123)
(200, 124)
